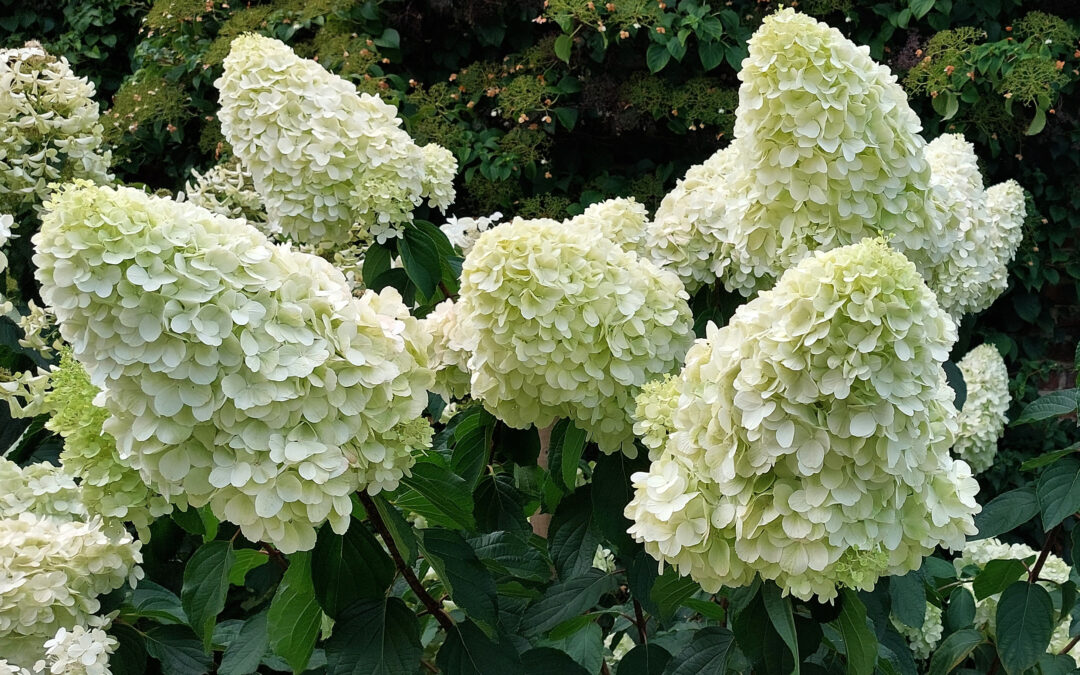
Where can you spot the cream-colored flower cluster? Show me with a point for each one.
(828, 152)
(463, 232)
(237, 373)
(55, 561)
(445, 357)
(562, 322)
(983, 416)
(620, 220)
(79, 651)
(322, 156)
(923, 640)
(1054, 571)
(229, 190)
(7, 221)
(49, 128)
(810, 436)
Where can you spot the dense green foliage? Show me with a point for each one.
(550, 107)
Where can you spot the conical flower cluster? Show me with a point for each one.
(982, 418)
(322, 156)
(560, 321)
(809, 440)
(237, 373)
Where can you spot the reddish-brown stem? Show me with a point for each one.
(640, 622)
(1068, 648)
(277, 556)
(1033, 576)
(432, 605)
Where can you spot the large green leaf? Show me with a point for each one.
(1025, 620)
(400, 530)
(564, 452)
(444, 497)
(500, 505)
(953, 650)
(472, 440)
(420, 258)
(375, 637)
(1059, 491)
(294, 617)
(670, 591)
(859, 641)
(782, 618)
(996, 576)
(611, 492)
(246, 651)
(907, 599)
(568, 599)
(130, 655)
(1054, 404)
(349, 567)
(550, 661)
(1006, 512)
(178, 650)
(463, 575)
(571, 540)
(961, 611)
(467, 651)
(707, 654)
(510, 554)
(644, 660)
(245, 560)
(206, 583)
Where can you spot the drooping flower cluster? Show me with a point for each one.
(561, 322)
(811, 434)
(1054, 571)
(923, 640)
(619, 220)
(983, 416)
(322, 156)
(828, 152)
(236, 373)
(445, 357)
(229, 190)
(49, 129)
(463, 232)
(1006, 211)
(55, 561)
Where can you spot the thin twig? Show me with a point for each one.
(429, 667)
(604, 670)
(1068, 647)
(1034, 575)
(430, 603)
(277, 556)
(640, 623)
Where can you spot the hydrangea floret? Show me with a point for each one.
(445, 357)
(228, 189)
(621, 220)
(79, 651)
(237, 373)
(810, 437)
(322, 156)
(49, 128)
(923, 640)
(463, 232)
(983, 416)
(562, 322)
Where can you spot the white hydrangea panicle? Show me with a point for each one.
(79, 651)
(42, 488)
(809, 440)
(322, 156)
(654, 413)
(687, 235)
(49, 128)
(237, 373)
(982, 418)
(445, 357)
(463, 232)
(1005, 213)
(229, 190)
(621, 220)
(560, 322)
(925, 639)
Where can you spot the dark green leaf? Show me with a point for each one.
(642, 575)
(907, 596)
(919, 8)
(953, 650)
(564, 452)
(467, 651)
(782, 618)
(1059, 491)
(295, 617)
(707, 654)
(157, 602)
(400, 530)
(189, 520)
(206, 582)
(472, 439)
(420, 258)
(1054, 404)
(644, 660)
(1048, 458)
(1038, 122)
(961, 611)
(894, 654)
(585, 645)
(1006, 512)
(375, 637)
(711, 53)
(563, 45)
(859, 640)
(178, 650)
(350, 567)
(500, 505)
(1028, 612)
(670, 590)
(130, 655)
(657, 57)
(566, 116)
(445, 496)
(955, 378)
(245, 560)
(245, 652)
(996, 576)
(706, 608)
(571, 541)
(376, 261)
(611, 492)
(568, 599)
(550, 661)
(509, 553)
(463, 575)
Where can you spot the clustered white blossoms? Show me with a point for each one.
(923, 640)
(322, 156)
(620, 220)
(229, 190)
(1054, 571)
(49, 128)
(55, 561)
(237, 373)
(828, 152)
(80, 651)
(983, 416)
(445, 357)
(809, 443)
(562, 322)
(463, 232)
